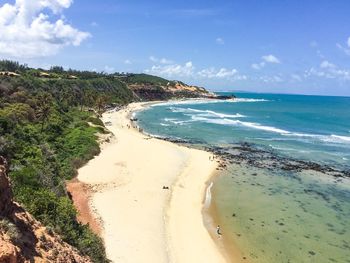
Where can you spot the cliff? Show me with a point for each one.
(22, 238)
(147, 87)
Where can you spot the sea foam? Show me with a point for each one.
(206, 101)
(225, 121)
(319, 137)
(206, 113)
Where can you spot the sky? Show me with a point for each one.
(278, 46)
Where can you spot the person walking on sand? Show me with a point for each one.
(218, 230)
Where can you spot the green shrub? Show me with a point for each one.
(95, 121)
(45, 135)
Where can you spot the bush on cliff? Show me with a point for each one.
(45, 135)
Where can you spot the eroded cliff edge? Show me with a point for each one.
(24, 239)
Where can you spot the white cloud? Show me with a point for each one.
(326, 64)
(271, 79)
(329, 71)
(27, 30)
(270, 59)
(153, 59)
(188, 70)
(258, 66)
(220, 41)
(344, 49)
(173, 70)
(160, 60)
(127, 61)
(314, 72)
(265, 59)
(222, 73)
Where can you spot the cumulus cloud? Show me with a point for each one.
(221, 73)
(327, 64)
(173, 70)
(270, 59)
(329, 71)
(265, 59)
(258, 66)
(28, 28)
(160, 60)
(271, 79)
(220, 41)
(127, 61)
(188, 70)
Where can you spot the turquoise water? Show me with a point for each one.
(271, 212)
(310, 127)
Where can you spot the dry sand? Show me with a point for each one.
(142, 222)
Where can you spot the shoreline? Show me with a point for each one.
(172, 227)
(228, 246)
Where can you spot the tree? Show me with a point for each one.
(8, 65)
(101, 102)
(57, 69)
(44, 104)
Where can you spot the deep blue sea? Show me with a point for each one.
(272, 214)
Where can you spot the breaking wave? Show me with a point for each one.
(224, 121)
(206, 113)
(206, 101)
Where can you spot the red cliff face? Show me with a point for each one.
(22, 238)
(5, 190)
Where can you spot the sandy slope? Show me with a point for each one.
(143, 222)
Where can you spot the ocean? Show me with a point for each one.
(282, 193)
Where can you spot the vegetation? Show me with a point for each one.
(48, 126)
(45, 135)
(147, 79)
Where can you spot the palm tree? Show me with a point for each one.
(101, 102)
(43, 105)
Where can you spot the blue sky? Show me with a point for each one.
(265, 46)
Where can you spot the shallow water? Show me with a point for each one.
(284, 217)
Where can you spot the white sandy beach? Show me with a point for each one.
(141, 221)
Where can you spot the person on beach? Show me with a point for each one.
(218, 230)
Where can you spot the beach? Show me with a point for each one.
(148, 195)
(281, 192)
